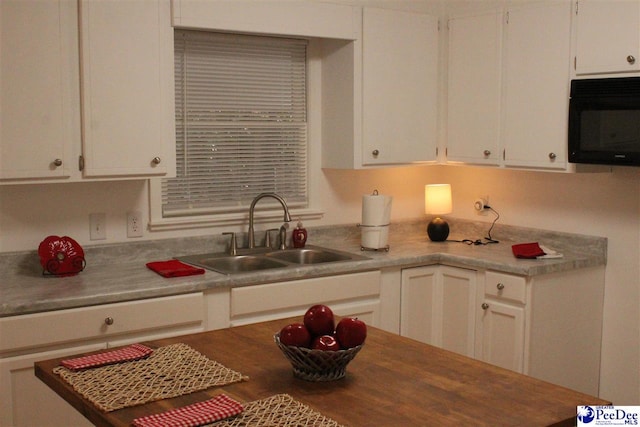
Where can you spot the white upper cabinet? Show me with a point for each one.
(127, 88)
(607, 36)
(508, 87)
(89, 80)
(475, 66)
(380, 93)
(39, 84)
(399, 87)
(536, 86)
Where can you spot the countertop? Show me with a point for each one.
(117, 272)
(393, 381)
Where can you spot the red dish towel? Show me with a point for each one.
(174, 268)
(218, 408)
(126, 354)
(527, 250)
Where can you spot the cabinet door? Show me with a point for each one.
(438, 307)
(502, 341)
(27, 401)
(399, 95)
(473, 129)
(127, 88)
(537, 66)
(355, 294)
(608, 33)
(39, 88)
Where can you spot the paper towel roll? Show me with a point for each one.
(374, 237)
(376, 209)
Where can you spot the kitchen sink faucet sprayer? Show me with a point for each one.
(287, 217)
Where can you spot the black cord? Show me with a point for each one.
(490, 239)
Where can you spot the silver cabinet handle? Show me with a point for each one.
(552, 156)
(375, 152)
(485, 306)
(156, 160)
(500, 286)
(57, 162)
(486, 153)
(631, 59)
(108, 321)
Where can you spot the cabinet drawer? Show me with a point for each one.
(505, 286)
(301, 293)
(63, 326)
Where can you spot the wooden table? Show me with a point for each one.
(393, 381)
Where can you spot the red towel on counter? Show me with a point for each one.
(218, 408)
(126, 354)
(174, 268)
(527, 250)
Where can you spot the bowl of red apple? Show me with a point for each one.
(318, 348)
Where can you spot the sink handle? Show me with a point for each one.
(267, 237)
(233, 249)
(283, 235)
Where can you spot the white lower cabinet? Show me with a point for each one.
(547, 326)
(29, 338)
(438, 306)
(356, 294)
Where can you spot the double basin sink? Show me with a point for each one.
(258, 259)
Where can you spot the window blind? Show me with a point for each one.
(241, 125)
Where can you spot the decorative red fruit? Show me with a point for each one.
(319, 320)
(295, 334)
(351, 332)
(326, 343)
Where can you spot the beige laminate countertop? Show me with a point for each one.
(117, 272)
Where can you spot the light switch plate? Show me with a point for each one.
(98, 226)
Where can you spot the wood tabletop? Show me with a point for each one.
(393, 381)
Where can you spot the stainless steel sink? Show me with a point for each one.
(258, 259)
(308, 256)
(239, 263)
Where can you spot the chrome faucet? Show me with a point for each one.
(287, 217)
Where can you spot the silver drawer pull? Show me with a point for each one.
(500, 286)
(631, 59)
(108, 321)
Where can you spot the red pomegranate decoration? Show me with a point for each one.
(61, 256)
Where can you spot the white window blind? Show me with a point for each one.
(241, 125)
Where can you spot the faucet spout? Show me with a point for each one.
(287, 217)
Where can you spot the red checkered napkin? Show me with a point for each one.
(126, 354)
(218, 408)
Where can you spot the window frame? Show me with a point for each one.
(268, 212)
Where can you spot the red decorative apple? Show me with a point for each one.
(295, 334)
(319, 320)
(326, 343)
(351, 332)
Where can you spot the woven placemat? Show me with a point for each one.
(170, 371)
(280, 410)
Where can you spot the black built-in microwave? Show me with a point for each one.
(604, 121)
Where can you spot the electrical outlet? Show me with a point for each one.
(98, 226)
(134, 224)
(480, 205)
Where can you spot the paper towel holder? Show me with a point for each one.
(376, 233)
